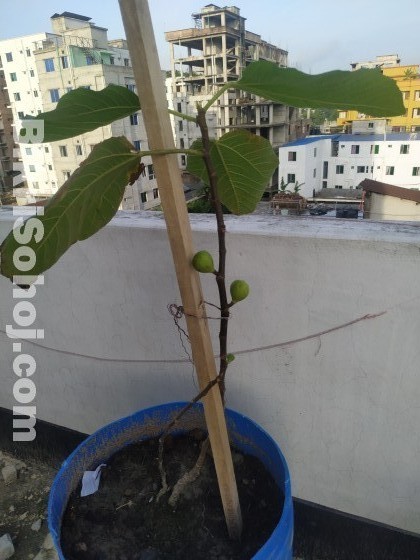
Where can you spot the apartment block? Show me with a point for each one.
(343, 161)
(215, 51)
(407, 79)
(10, 169)
(39, 69)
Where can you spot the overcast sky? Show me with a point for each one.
(320, 35)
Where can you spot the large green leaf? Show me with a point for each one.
(367, 91)
(82, 206)
(195, 164)
(83, 110)
(244, 164)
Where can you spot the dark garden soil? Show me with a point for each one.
(124, 521)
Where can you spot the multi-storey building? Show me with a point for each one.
(343, 161)
(10, 175)
(407, 79)
(214, 52)
(39, 69)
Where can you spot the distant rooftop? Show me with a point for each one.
(397, 136)
(71, 15)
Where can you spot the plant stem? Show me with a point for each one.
(170, 151)
(182, 115)
(219, 92)
(221, 235)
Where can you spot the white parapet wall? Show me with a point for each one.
(336, 303)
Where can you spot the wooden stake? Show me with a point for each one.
(150, 84)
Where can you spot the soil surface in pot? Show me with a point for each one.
(124, 521)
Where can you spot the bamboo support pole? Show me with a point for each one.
(150, 85)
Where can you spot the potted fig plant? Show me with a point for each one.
(236, 169)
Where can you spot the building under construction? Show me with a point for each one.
(216, 50)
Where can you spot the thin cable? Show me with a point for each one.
(185, 360)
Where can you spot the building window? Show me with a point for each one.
(416, 171)
(389, 170)
(315, 150)
(9, 57)
(49, 64)
(374, 149)
(339, 169)
(28, 52)
(49, 167)
(291, 156)
(362, 169)
(111, 60)
(143, 197)
(370, 125)
(35, 185)
(338, 186)
(179, 107)
(181, 143)
(137, 145)
(31, 73)
(55, 96)
(79, 151)
(151, 172)
(180, 126)
(28, 151)
(134, 119)
(63, 151)
(21, 115)
(406, 94)
(64, 62)
(183, 160)
(126, 62)
(13, 77)
(404, 148)
(291, 177)
(35, 93)
(416, 113)
(155, 193)
(32, 168)
(131, 87)
(355, 148)
(16, 96)
(342, 114)
(47, 150)
(90, 60)
(66, 175)
(324, 184)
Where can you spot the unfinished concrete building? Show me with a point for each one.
(216, 50)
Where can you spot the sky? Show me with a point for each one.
(320, 35)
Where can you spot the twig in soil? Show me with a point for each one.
(190, 476)
(129, 503)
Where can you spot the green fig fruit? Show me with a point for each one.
(203, 262)
(239, 290)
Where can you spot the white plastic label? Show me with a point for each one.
(90, 481)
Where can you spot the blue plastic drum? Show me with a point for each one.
(247, 436)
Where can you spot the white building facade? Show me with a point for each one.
(343, 161)
(39, 69)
